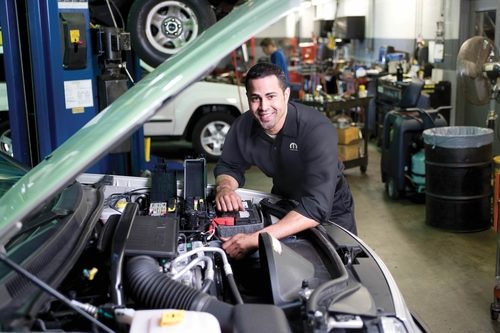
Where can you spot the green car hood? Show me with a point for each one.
(124, 116)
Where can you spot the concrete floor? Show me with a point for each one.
(446, 278)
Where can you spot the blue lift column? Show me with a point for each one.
(10, 23)
(65, 72)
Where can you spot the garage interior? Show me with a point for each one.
(373, 50)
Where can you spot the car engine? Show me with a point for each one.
(155, 263)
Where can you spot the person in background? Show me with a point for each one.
(421, 54)
(329, 79)
(277, 56)
(293, 144)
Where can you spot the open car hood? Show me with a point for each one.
(124, 116)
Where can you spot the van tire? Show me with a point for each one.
(160, 28)
(209, 134)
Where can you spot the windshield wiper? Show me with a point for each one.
(43, 220)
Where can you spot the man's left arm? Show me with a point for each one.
(292, 223)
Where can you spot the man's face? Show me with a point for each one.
(268, 50)
(268, 103)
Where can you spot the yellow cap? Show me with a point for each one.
(172, 317)
(92, 273)
(496, 160)
(120, 204)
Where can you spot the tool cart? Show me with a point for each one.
(353, 140)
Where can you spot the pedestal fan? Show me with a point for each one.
(479, 74)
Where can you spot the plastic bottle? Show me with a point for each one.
(362, 93)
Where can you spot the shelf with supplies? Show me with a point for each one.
(353, 135)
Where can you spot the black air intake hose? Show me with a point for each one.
(155, 290)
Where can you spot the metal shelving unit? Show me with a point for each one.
(356, 106)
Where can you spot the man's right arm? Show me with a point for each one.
(226, 198)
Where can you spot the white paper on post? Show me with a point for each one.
(78, 94)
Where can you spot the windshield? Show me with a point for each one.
(10, 172)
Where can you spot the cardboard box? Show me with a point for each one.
(348, 152)
(348, 135)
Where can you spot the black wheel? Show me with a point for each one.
(391, 189)
(209, 134)
(494, 311)
(160, 28)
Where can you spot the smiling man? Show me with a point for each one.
(295, 145)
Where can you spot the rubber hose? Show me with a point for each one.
(153, 289)
(206, 285)
(234, 289)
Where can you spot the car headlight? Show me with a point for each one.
(393, 325)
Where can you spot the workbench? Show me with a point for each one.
(356, 108)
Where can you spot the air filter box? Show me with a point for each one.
(154, 236)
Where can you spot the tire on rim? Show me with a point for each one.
(160, 28)
(209, 134)
(391, 189)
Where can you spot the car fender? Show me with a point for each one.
(173, 118)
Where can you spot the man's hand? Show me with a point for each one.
(240, 244)
(292, 223)
(226, 199)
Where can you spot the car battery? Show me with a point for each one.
(245, 221)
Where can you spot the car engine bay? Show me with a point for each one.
(155, 259)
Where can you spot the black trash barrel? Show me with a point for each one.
(458, 178)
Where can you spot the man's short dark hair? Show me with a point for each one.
(265, 69)
(266, 42)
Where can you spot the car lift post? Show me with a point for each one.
(63, 76)
(63, 86)
(9, 21)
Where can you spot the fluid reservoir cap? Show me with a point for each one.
(173, 321)
(172, 317)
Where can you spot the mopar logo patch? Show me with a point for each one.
(294, 147)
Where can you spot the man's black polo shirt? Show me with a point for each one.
(302, 161)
